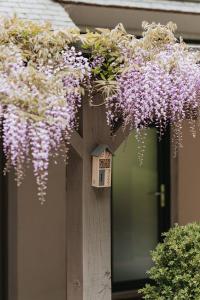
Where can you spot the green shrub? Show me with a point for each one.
(176, 271)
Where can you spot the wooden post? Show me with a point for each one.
(74, 232)
(96, 212)
(88, 212)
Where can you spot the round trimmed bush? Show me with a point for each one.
(176, 271)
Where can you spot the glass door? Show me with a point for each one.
(140, 208)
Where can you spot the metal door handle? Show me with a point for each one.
(161, 194)
(157, 193)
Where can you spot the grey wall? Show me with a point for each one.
(37, 238)
(37, 234)
(188, 183)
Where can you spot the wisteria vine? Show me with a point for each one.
(163, 91)
(44, 73)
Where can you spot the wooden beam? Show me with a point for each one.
(77, 143)
(74, 231)
(119, 137)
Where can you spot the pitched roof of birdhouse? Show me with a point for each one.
(101, 148)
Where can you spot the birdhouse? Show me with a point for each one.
(101, 166)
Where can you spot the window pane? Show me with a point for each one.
(134, 209)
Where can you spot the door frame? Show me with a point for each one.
(164, 213)
(164, 177)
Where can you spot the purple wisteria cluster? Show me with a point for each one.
(154, 80)
(38, 110)
(97, 61)
(158, 91)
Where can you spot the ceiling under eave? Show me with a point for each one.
(108, 13)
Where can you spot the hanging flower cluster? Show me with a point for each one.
(39, 98)
(43, 74)
(157, 82)
(161, 91)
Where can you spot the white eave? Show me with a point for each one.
(108, 13)
(162, 5)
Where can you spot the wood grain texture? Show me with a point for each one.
(118, 138)
(96, 212)
(88, 210)
(74, 231)
(77, 143)
(89, 219)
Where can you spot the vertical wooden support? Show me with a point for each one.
(96, 212)
(88, 213)
(74, 232)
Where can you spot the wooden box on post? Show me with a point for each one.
(101, 166)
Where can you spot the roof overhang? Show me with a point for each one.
(108, 13)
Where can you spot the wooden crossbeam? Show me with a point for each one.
(77, 143)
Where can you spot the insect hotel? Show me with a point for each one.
(101, 166)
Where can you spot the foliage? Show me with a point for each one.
(111, 50)
(175, 273)
(106, 57)
(38, 43)
(44, 72)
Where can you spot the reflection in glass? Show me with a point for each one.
(134, 209)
